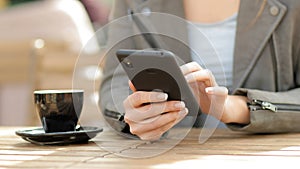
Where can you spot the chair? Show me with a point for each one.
(18, 69)
(62, 27)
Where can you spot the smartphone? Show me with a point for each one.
(153, 70)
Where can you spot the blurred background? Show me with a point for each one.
(40, 41)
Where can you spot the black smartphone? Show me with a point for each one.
(153, 70)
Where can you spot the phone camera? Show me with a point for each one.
(127, 63)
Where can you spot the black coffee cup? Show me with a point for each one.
(59, 110)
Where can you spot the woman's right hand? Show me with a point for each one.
(150, 115)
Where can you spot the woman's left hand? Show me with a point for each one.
(214, 99)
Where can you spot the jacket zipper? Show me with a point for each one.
(274, 107)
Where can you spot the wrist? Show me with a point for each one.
(236, 110)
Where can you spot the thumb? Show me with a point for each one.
(131, 86)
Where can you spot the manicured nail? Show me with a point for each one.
(188, 79)
(183, 113)
(180, 105)
(162, 96)
(209, 90)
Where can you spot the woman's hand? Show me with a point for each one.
(150, 115)
(213, 99)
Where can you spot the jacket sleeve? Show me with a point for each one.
(274, 112)
(114, 89)
(114, 86)
(271, 112)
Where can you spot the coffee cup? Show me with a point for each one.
(58, 110)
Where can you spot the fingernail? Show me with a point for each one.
(180, 105)
(183, 113)
(188, 79)
(162, 96)
(209, 90)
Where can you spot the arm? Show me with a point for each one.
(275, 77)
(114, 87)
(287, 100)
(118, 104)
(248, 109)
(264, 120)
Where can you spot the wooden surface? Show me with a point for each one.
(225, 149)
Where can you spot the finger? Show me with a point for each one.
(157, 133)
(220, 91)
(190, 67)
(131, 86)
(155, 109)
(139, 98)
(152, 110)
(205, 76)
(161, 125)
(139, 128)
